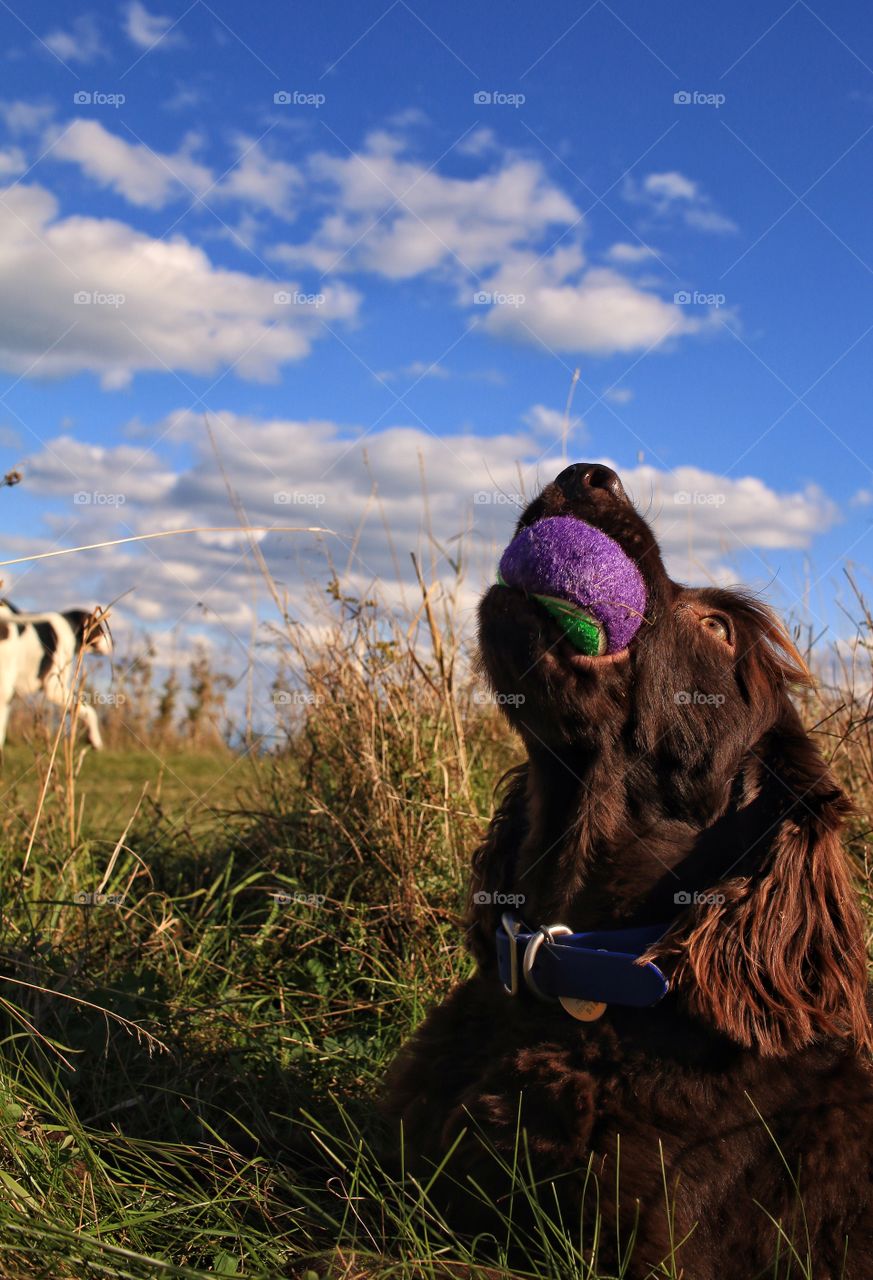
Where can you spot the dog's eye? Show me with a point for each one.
(717, 627)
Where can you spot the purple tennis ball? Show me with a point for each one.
(563, 556)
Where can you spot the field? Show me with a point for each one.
(210, 957)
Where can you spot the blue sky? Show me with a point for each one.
(631, 157)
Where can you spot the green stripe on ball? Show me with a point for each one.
(583, 632)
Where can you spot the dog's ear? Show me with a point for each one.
(774, 955)
(493, 866)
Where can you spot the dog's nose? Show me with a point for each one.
(573, 481)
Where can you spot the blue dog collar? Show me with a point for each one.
(601, 966)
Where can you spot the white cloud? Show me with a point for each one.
(480, 142)
(427, 369)
(552, 423)
(391, 216)
(671, 196)
(474, 483)
(629, 253)
(179, 311)
(258, 179)
(80, 44)
(153, 179)
(705, 219)
(619, 395)
(73, 464)
(670, 186)
(408, 118)
(25, 117)
(133, 170)
(598, 311)
(183, 97)
(416, 370)
(397, 218)
(721, 515)
(149, 30)
(12, 162)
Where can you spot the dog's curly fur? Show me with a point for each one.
(747, 1092)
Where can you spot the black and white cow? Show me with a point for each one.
(39, 653)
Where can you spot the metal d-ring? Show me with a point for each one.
(545, 933)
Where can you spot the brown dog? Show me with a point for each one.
(734, 1114)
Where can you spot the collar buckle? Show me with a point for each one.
(512, 928)
(545, 933)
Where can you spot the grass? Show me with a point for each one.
(209, 960)
(185, 784)
(160, 1114)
